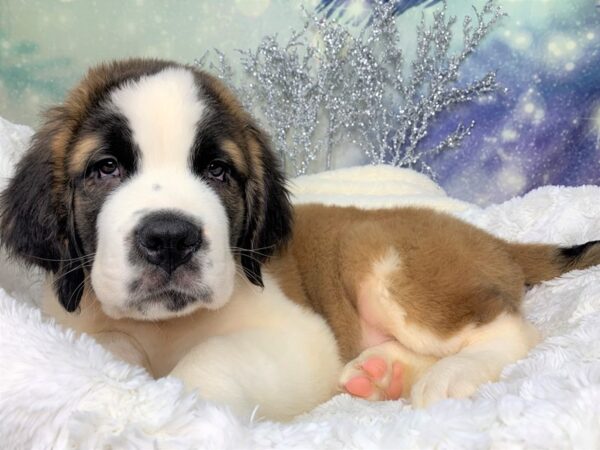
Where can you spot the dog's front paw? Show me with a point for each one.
(452, 377)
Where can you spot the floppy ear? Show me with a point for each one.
(268, 208)
(33, 223)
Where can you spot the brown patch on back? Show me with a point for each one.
(453, 274)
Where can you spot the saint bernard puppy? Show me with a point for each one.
(160, 212)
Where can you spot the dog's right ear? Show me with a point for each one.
(29, 225)
(33, 222)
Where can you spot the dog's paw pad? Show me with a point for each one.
(375, 367)
(373, 378)
(359, 386)
(394, 390)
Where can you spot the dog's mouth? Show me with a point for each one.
(175, 292)
(174, 300)
(186, 279)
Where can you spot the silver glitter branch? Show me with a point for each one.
(328, 89)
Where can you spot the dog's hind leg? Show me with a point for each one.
(452, 296)
(484, 352)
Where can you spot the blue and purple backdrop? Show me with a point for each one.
(544, 130)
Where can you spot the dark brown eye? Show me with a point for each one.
(108, 167)
(217, 170)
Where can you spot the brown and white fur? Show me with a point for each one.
(159, 210)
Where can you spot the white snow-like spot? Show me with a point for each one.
(522, 40)
(509, 135)
(511, 178)
(529, 107)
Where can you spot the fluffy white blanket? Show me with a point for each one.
(61, 391)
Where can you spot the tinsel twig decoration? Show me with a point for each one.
(327, 89)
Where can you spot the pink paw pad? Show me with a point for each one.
(394, 390)
(359, 387)
(377, 382)
(375, 367)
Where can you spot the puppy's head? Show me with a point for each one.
(147, 187)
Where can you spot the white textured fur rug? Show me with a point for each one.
(61, 391)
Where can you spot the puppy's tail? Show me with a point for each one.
(542, 262)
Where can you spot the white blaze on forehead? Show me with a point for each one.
(163, 110)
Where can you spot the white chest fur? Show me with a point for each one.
(260, 349)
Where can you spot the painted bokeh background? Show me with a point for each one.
(545, 129)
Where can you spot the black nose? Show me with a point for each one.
(167, 241)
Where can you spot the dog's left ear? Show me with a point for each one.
(268, 210)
